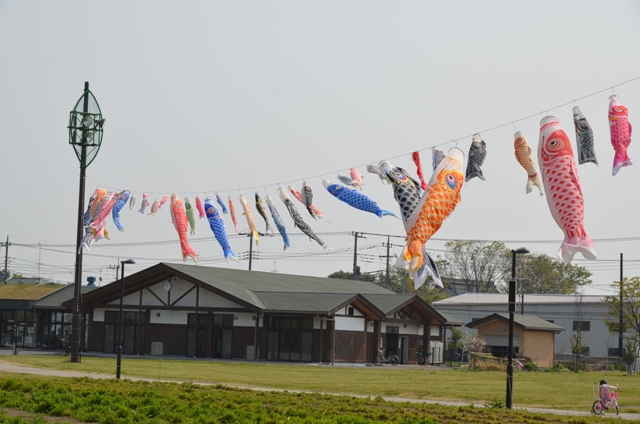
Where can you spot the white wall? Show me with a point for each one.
(169, 317)
(178, 288)
(349, 323)
(244, 319)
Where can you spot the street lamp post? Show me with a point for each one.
(119, 360)
(512, 310)
(85, 135)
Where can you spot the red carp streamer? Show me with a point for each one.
(416, 159)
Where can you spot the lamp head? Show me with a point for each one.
(128, 262)
(520, 250)
(87, 121)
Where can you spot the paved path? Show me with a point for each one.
(15, 368)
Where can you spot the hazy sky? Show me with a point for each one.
(234, 97)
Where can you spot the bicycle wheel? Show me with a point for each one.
(597, 408)
(420, 361)
(615, 406)
(394, 360)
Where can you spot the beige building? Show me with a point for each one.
(532, 334)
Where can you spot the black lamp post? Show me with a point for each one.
(85, 135)
(512, 310)
(119, 360)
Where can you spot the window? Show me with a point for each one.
(290, 339)
(613, 351)
(581, 325)
(350, 310)
(132, 331)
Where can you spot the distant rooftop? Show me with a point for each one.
(25, 280)
(27, 291)
(528, 322)
(529, 299)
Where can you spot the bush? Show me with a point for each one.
(557, 366)
(530, 366)
(495, 403)
(622, 367)
(611, 367)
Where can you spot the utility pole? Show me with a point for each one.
(620, 330)
(116, 267)
(355, 253)
(387, 257)
(6, 259)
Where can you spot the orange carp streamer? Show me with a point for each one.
(437, 203)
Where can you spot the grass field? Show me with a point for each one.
(39, 399)
(567, 390)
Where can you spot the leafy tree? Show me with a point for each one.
(629, 354)
(543, 274)
(399, 282)
(349, 276)
(429, 292)
(455, 339)
(478, 264)
(396, 279)
(630, 308)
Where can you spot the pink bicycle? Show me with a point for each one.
(601, 405)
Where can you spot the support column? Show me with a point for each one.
(364, 345)
(377, 334)
(426, 336)
(333, 341)
(255, 337)
(321, 340)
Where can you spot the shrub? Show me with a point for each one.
(622, 367)
(530, 366)
(495, 403)
(557, 366)
(611, 367)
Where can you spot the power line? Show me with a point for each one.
(452, 140)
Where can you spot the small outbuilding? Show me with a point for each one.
(532, 335)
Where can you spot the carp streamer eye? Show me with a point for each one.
(400, 176)
(451, 181)
(555, 144)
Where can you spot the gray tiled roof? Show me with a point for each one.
(254, 286)
(451, 320)
(388, 303)
(302, 302)
(528, 322)
(55, 299)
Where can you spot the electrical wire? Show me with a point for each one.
(452, 140)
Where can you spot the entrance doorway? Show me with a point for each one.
(392, 341)
(197, 335)
(222, 336)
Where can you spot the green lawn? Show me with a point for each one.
(567, 390)
(42, 399)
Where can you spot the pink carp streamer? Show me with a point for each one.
(416, 159)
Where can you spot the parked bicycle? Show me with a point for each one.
(422, 358)
(388, 359)
(607, 399)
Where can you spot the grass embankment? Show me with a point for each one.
(46, 399)
(566, 391)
